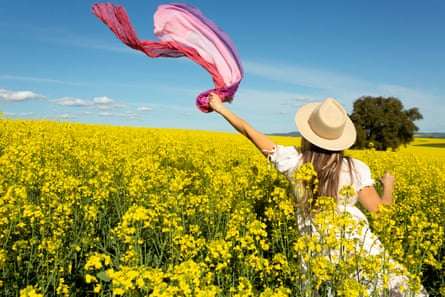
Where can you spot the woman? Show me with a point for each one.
(326, 132)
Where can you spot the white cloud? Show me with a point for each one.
(103, 106)
(84, 113)
(409, 96)
(118, 106)
(291, 86)
(334, 84)
(310, 78)
(319, 84)
(18, 114)
(18, 96)
(102, 100)
(119, 115)
(105, 103)
(65, 116)
(70, 101)
(98, 103)
(144, 108)
(270, 101)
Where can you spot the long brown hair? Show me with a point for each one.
(328, 166)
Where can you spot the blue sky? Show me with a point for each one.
(59, 62)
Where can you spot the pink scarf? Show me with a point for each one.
(183, 31)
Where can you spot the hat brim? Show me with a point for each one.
(345, 141)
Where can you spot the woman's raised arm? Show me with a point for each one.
(260, 140)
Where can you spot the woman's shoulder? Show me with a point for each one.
(283, 152)
(285, 158)
(359, 164)
(360, 168)
(357, 161)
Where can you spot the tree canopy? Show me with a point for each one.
(383, 123)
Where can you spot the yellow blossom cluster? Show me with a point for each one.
(91, 210)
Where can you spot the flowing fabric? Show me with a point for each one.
(183, 31)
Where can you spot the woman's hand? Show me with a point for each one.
(215, 102)
(387, 180)
(371, 200)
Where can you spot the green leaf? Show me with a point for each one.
(103, 276)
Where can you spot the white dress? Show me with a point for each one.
(287, 160)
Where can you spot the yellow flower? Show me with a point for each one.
(30, 291)
(97, 288)
(90, 279)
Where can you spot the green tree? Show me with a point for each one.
(383, 123)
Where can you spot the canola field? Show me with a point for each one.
(90, 210)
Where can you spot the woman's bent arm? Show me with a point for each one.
(261, 141)
(371, 200)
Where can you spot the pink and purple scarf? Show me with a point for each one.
(183, 31)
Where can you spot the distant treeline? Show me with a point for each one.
(418, 135)
(429, 135)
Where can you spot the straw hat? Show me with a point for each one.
(326, 125)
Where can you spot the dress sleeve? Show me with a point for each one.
(363, 177)
(285, 159)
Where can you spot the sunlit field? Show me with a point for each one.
(90, 210)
